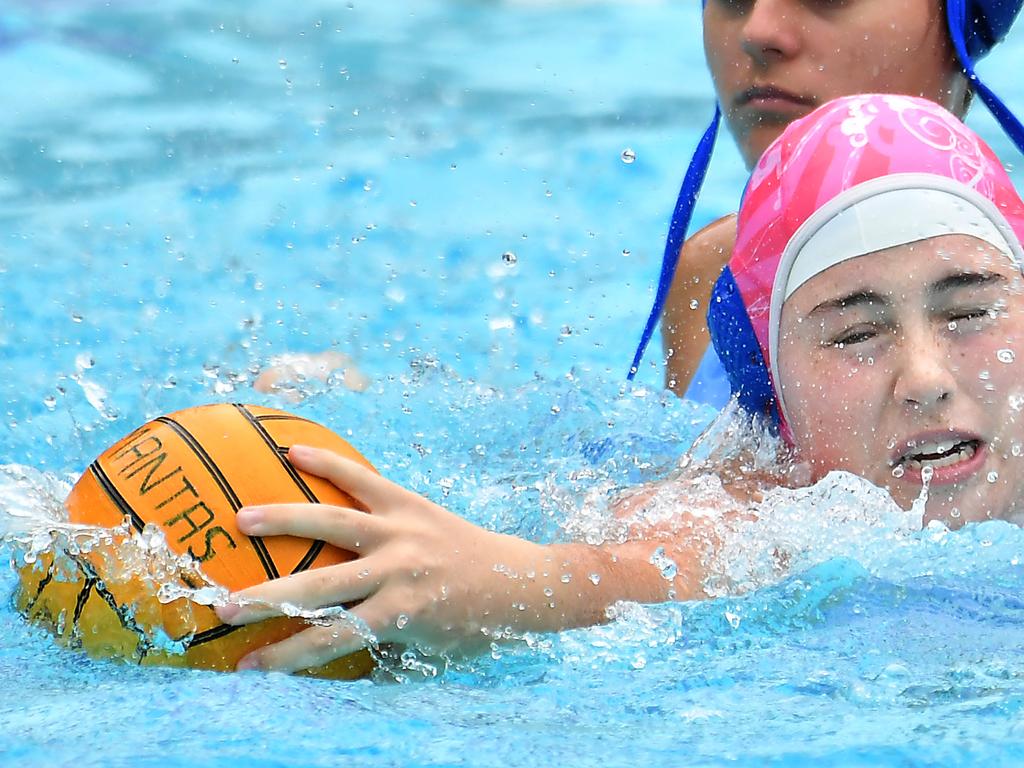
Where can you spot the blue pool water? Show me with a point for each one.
(189, 190)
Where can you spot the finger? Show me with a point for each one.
(308, 649)
(350, 529)
(317, 588)
(360, 482)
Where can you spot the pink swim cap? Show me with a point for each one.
(857, 175)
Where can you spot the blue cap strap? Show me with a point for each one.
(677, 229)
(956, 12)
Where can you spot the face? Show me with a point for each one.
(909, 361)
(773, 61)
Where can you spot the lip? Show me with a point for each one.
(942, 475)
(773, 97)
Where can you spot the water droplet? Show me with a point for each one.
(234, 60)
(628, 156)
(509, 258)
(595, 579)
(952, 325)
(898, 471)
(694, 304)
(992, 477)
(282, 63)
(625, 251)
(151, 536)
(984, 375)
(566, 578)
(401, 621)
(665, 564)
(926, 473)
(548, 592)
(733, 619)
(50, 402)
(1017, 450)
(1005, 356)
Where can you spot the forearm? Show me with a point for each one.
(562, 586)
(426, 577)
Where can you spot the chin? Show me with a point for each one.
(753, 140)
(956, 512)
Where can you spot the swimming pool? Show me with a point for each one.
(443, 190)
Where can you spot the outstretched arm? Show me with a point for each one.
(424, 576)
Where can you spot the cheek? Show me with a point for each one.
(991, 369)
(721, 53)
(916, 59)
(834, 417)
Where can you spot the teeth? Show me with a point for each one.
(963, 452)
(935, 448)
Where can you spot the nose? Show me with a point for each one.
(771, 31)
(925, 377)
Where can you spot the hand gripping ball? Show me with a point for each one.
(187, 474)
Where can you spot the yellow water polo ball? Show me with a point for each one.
(187, 473)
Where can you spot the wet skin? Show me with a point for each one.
(773, 61)
(911, 358)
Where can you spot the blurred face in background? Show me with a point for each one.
(773, 61)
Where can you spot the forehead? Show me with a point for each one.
(903, 270)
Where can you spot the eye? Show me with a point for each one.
(853, 336)
(971, 317)
(735, 7)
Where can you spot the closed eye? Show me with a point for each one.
(854, 336)
(968, 314)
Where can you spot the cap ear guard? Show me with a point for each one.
(737, 347)
(990, 21)
(974, 31)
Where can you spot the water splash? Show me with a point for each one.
(137, 568)
(30, 501)
(791, 530)
(96, 395)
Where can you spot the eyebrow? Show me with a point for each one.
(854, 299)
(965, 280)
(955, 281)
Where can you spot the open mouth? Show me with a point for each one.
(938, 455)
